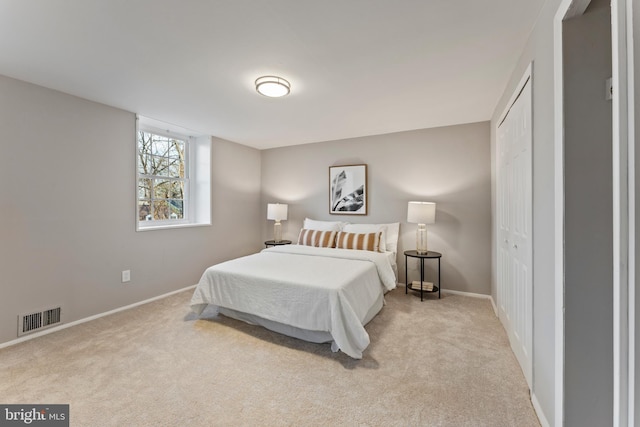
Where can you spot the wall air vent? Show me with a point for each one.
(33, 322)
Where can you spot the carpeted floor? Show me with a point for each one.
(440, 362)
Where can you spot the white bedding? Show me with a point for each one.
(316, 289)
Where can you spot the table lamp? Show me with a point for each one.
(277, 212)
(421, 213)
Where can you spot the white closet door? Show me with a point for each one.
(514, 218)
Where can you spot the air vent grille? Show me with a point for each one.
(51, 317)
(33, 322)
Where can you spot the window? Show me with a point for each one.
(162, 177)
(166, 162)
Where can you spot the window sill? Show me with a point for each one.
(169, 226)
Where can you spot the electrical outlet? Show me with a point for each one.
(126, 276)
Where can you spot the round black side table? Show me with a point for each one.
(422, 257)
(274, 243)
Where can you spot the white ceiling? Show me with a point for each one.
(356, 67)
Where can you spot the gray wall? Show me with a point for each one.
(448, 165)
(588, 219)
(67, 209)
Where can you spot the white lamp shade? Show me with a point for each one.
(277, 211)
(421, 212)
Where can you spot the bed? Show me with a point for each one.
(308, 291)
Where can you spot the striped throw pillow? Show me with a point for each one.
(317, 238)
(362, 241)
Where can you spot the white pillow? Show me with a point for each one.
(390, 232)
(393, 232)
(312, 224)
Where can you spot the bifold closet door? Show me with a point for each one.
(514, 218)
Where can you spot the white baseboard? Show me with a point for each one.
(466, 294)
(539, 411)
(495, 307)
(90, 318)
(473, 295)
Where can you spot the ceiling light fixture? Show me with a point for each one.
(272, 86)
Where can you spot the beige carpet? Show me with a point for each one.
(434, 363)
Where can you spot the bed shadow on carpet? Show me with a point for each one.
(212, 322)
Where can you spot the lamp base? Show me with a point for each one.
(277, 232)
(421, 239)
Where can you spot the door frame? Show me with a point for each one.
(623, 208)
(623, 214)
(566, 10)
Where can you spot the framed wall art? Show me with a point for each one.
(348, 190)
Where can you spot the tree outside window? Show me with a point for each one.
(162, 177)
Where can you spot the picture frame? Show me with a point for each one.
(348, 190)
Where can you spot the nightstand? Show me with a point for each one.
(422, 257)
(274, 243)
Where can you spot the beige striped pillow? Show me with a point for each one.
(317, 238)
(362, 241)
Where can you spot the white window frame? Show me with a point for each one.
(197, 189)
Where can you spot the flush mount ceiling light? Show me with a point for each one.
(272, 86)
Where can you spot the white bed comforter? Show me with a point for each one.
(318, 289)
